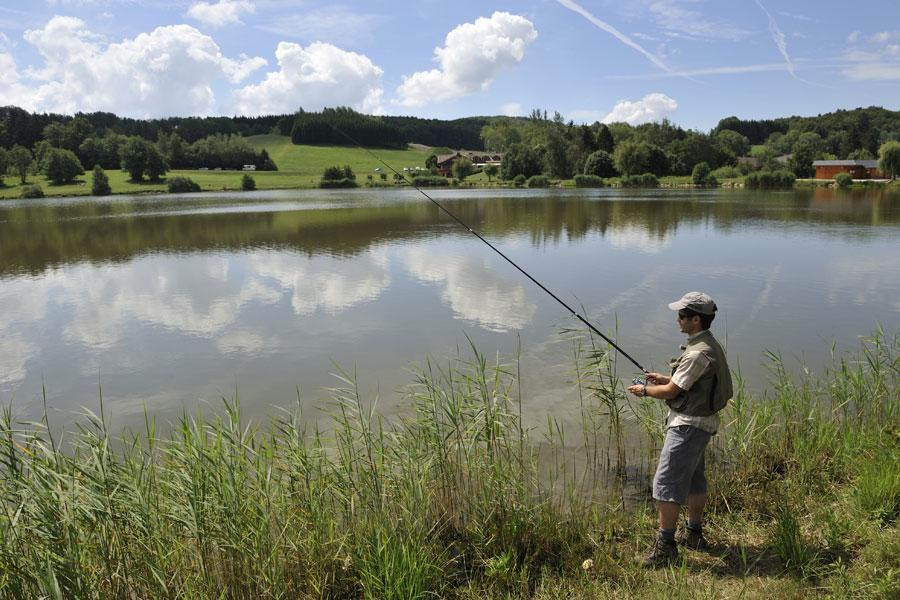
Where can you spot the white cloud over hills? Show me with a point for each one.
(651, 107)
(313, 77)
(135, 77)
(471, 58)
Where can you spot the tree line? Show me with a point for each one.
(540, 144)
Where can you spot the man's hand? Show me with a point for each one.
(657, 378)
(638, 390)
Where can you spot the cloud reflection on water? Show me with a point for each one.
(473, 289)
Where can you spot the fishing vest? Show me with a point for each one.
(711, 392)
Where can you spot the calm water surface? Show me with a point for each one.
(172, 303)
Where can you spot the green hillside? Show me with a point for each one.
(298, 167)
(310, 161)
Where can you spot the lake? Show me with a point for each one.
(170, 303)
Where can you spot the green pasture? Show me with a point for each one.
(299, 167)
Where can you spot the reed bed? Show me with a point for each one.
(459, 498)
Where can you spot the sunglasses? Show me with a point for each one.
(685, 315)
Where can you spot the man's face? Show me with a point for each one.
(688, 325)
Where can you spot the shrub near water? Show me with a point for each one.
(31, 191)
(538, 181)
(589, 181)
(100, 182)
(770, 180)
(459, 498)
(645, 180)
(430, 181)
(843, 180)
(338, 177)
(248, 184)
(181, 185)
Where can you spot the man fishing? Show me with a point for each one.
(698, 388)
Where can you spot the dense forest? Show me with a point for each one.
(533, 145)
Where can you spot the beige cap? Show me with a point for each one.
(697, 302)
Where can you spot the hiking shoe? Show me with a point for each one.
(662, 553)
(693, 540)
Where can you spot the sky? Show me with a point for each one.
(692, 61)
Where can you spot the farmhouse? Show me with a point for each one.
(479, 160)
(857, 169)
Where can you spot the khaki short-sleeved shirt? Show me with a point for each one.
(689, 370)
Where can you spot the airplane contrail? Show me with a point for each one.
(780, 41)
(575, 7)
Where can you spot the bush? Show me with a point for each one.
(344, 182)
(645, 180)
(32, 191)
(428, 181)
(601, 164)
(248, 184)
(726, 173)
(538, 181)
(181, 185)
(336, 173)
(519, 180)
(100, 184)
(843, 180)
(589, 181)
(700, 173)
(770, 179)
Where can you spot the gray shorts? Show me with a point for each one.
(680, 471)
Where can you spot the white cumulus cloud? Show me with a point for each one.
(134, 77)
(651, 107)
(472, 56)
(224, 12)
(313, 77)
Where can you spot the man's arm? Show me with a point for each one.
(665, 391)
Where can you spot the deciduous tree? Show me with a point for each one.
(889, 158)
(62, 166)
(601, 164)
(20, 159)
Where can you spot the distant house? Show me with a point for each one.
(479, 160)
(857, 169)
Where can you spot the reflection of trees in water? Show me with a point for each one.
(35, 237)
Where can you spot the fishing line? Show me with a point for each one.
(495, 249)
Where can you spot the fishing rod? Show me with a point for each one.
(495, 249)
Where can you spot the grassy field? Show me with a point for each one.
(458, 500)
(298, 167)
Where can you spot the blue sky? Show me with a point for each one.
(693, 61)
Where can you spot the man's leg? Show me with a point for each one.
(696, 502)
(668, 515)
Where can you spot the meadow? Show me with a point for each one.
(459, 499)
(298, 167)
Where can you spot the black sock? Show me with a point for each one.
(695, 527)
(667, 535)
